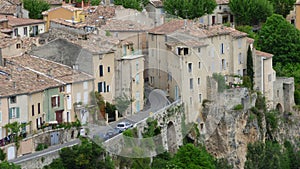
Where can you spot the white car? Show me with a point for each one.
(124, 126)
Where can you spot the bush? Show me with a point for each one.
(41, 146)
(238, 107)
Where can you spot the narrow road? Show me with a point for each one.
(50, 150)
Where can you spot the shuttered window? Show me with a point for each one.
(14, 112)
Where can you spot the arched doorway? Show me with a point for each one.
(171, 136)
(279, 108)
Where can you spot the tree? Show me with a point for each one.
(2, 155)
(189, 9)
(250, 12)
(189, 156)
(283, 7)
(134, 4)
(95, 2)
(36, 7)
(250, 72)
(280, 38)
(7, 165)
(16, 128)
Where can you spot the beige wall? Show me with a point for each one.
(108, 62)
(4, 116)
(58, 13)
(33, 101)
(269, 78)
(297, 22)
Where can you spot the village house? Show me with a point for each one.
(13, 8)
(186, 53)
(21, 27)
(156, 11)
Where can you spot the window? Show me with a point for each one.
(191, 83)
(220, 7)
(222, 48)
(240, 58)
(270, 77)
(18, 46)
(39, 108)
(104, 87)
(199, 81)
(200, 98)
(277, 93)
(108, 88)
(223, 64)
(189, 67)
(16, 32)
(55, 101)
(100, 87)
(25, 31)
(101, 70)
(137, 65)
(199, 65)
(137, 79)
(85, 85)
(61, 88)
(108, 69)
(240, 43)
(182, 51)
(199, 50)
(13, 99)
(32, 110)
(14, 112)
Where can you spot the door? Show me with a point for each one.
(54, 138)
(213, 20)
(11, 153)
(59, 116)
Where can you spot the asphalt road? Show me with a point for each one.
(52, 149)
(156, 100)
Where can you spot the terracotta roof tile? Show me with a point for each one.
(14, 21)
(168, 27)
(263, 54)
(123, 25)
(67, 23)
(95, 15)
(67, 6)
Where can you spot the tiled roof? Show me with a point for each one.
(6, 41)
(263, 54)
(168, 27)
(14, 21)
(68, 7)
(157, 3)
(250, 40)
(123, 25)
(56, 71)
(28, 74)
(7, 8)
(96, 15)
(220, 2)
(64, 22)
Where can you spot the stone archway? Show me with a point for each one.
(279, 108)
(171, 137)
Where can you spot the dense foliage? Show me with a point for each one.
(95, 2)
(7, 165)
(283, 7)
(36, 7)
(134, 4)
(250, 12)
(88, 155)
(189, 9)
(272, 155)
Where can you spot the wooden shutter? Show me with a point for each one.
(58, 101)
(10, 113)
(18, 112)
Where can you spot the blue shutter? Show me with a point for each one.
(18, 112)
(10, 113)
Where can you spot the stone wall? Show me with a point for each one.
(40, 162)
(284, 94)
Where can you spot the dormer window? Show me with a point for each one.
(182, 50)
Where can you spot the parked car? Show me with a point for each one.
(124, 126)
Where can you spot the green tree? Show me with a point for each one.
(189, 156)
(7, 165)
(280, 38)
(250, 72)
(283, 7)
(35, 8)
(2, 155)
(134, 4)
(16, 128)
(95, 2)
(250, 12)
(189, 9)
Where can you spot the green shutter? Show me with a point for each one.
(18, 112)
(10, 113)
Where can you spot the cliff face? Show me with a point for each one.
(229, 128)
